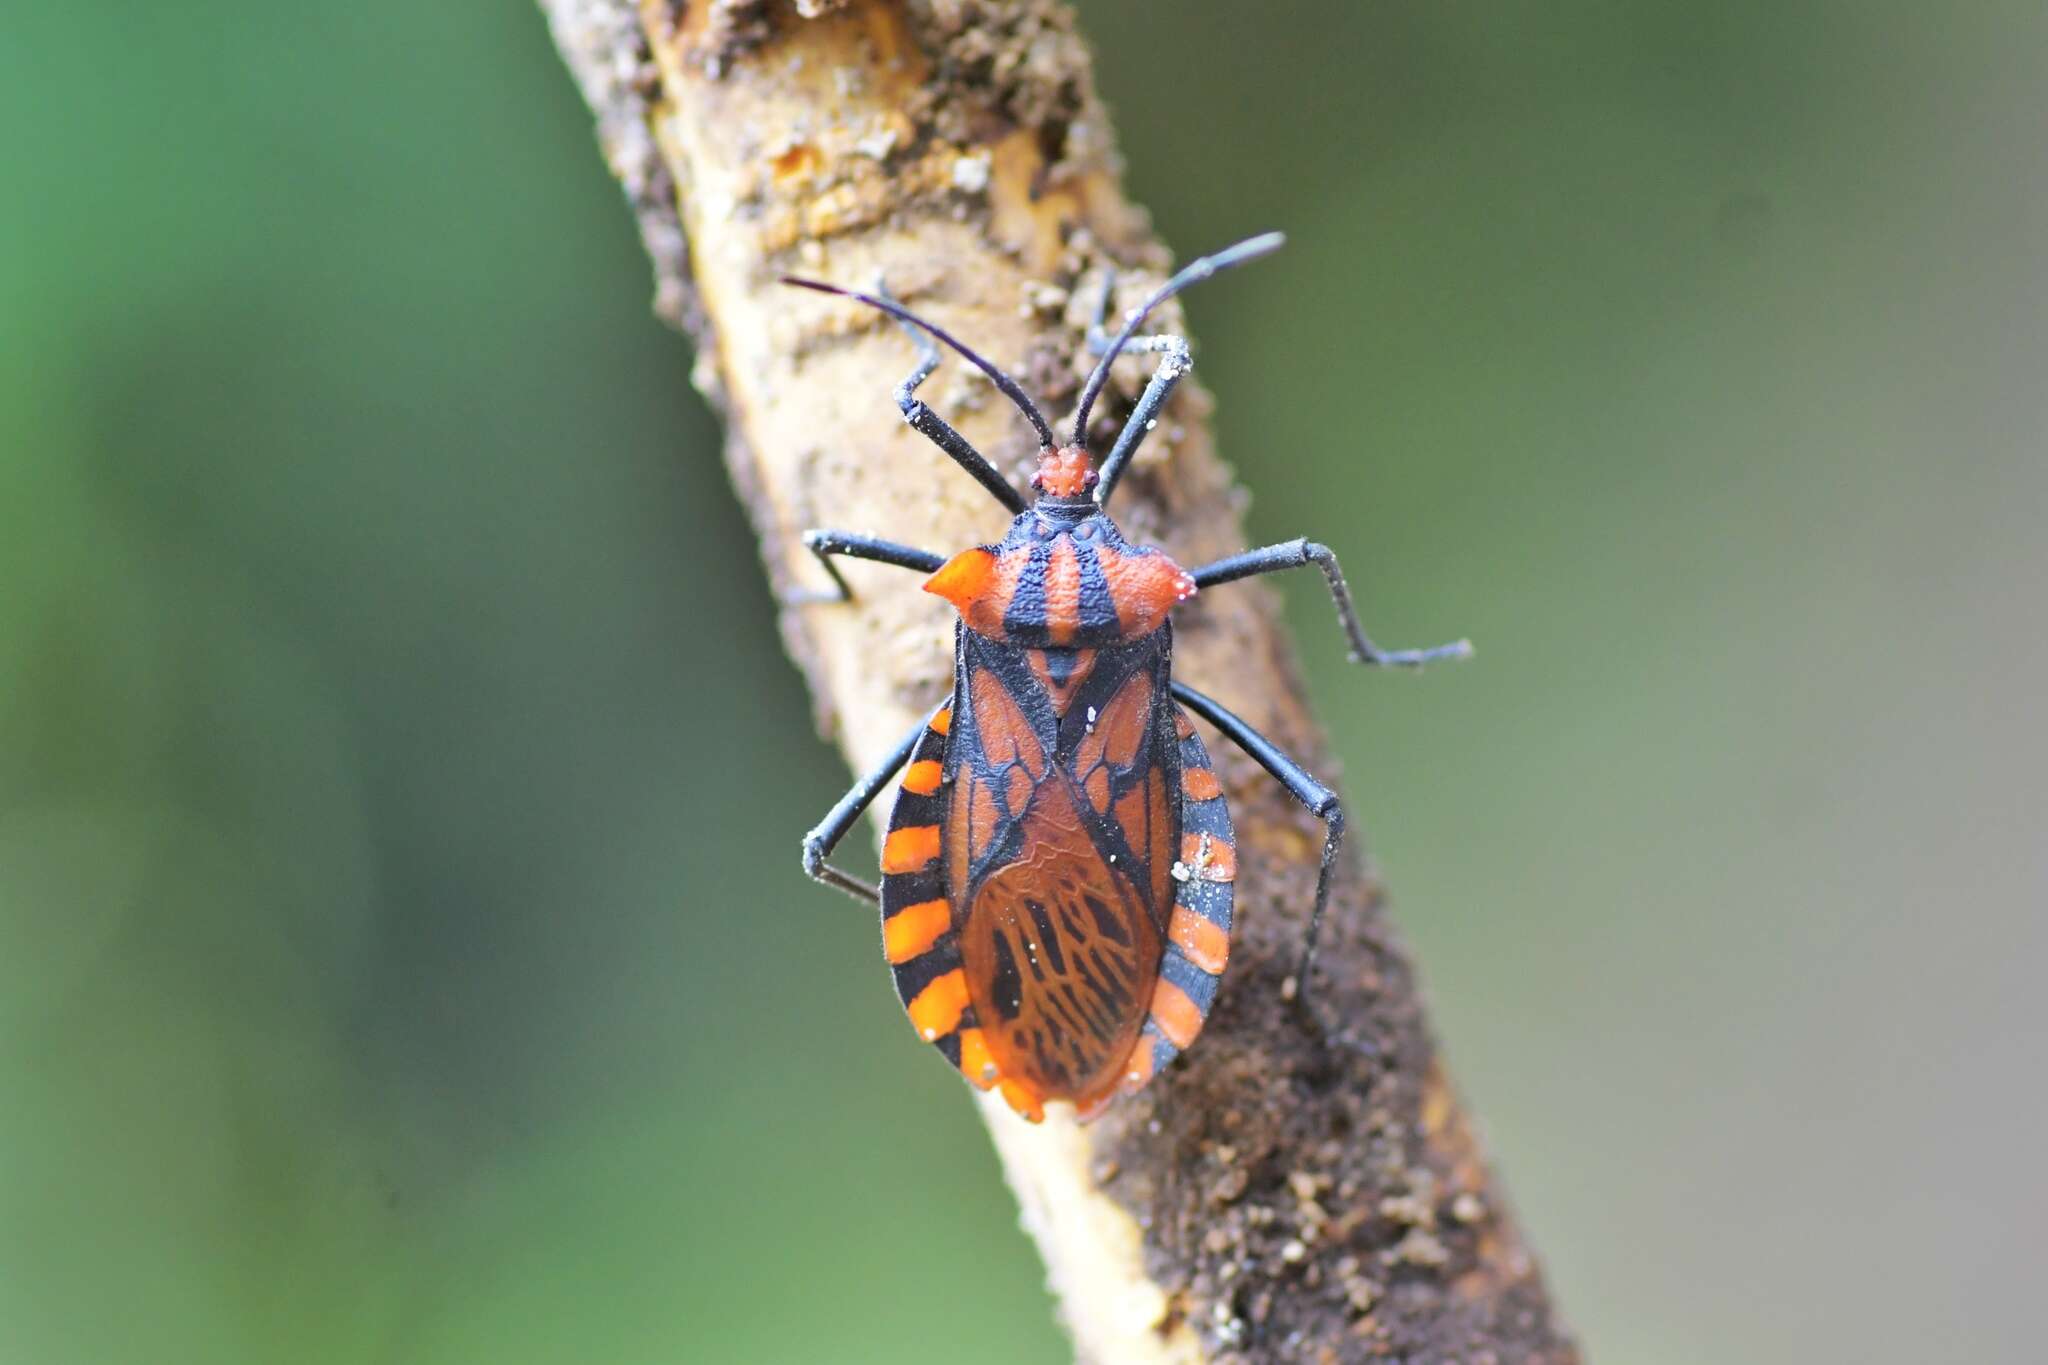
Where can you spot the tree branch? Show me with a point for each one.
(1288, 1191)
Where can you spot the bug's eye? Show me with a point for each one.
(1089, 480)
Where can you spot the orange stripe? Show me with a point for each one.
(911, 931)
(1175, 1014)
(942, 720)
(1201, 784)
(1217, 857)
(936, 1010)
(1025, 1100)
(1200, 941)
(975, 1062)
(922, 778)
(911, 848)
(1063, 592)
(1138, 1070)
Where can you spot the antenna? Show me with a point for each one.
(1009, 386)
(1248, 250)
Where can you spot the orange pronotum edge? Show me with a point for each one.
(965, 578)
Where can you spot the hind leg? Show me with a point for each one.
(1320, 801)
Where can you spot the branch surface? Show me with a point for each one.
(1286, 1191)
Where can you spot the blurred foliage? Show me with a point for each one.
(402, 955)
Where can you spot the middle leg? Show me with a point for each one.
(826, 544)
(1294, 554)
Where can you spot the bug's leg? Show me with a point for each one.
(933, 427)
(1176, 360)
(826, 544)
(1320, 801)
(820, 842)
(1294, 554)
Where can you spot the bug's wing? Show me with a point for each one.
(1062, 862)
(1060, 953)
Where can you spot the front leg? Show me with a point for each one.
(820, 842)
(1296, 553)
(1175, 362)
(933, 428)
(826, 544)
(1320, 801)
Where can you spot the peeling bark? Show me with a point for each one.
(1289, 1191)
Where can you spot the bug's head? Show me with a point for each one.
(1066, 474)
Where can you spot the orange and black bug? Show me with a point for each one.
(1057, 878)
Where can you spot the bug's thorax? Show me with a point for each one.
(1063, 575)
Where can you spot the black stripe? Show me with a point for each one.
(1163, 1050)
(1210, 900)
(1024, 620)
(1200, 986)
(912, 888)
(1067, 920)
(1111, 994)
(1006, 989)
(1048, 937)
(913, 976)
(1097, 1019)
(1106, 921)
(1059, 1008)
(912, 810)
(1098, 604)
(1118, 997)
(1210, 817)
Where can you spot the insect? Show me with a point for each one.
(1057, 877)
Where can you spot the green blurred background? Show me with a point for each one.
(391, 969)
